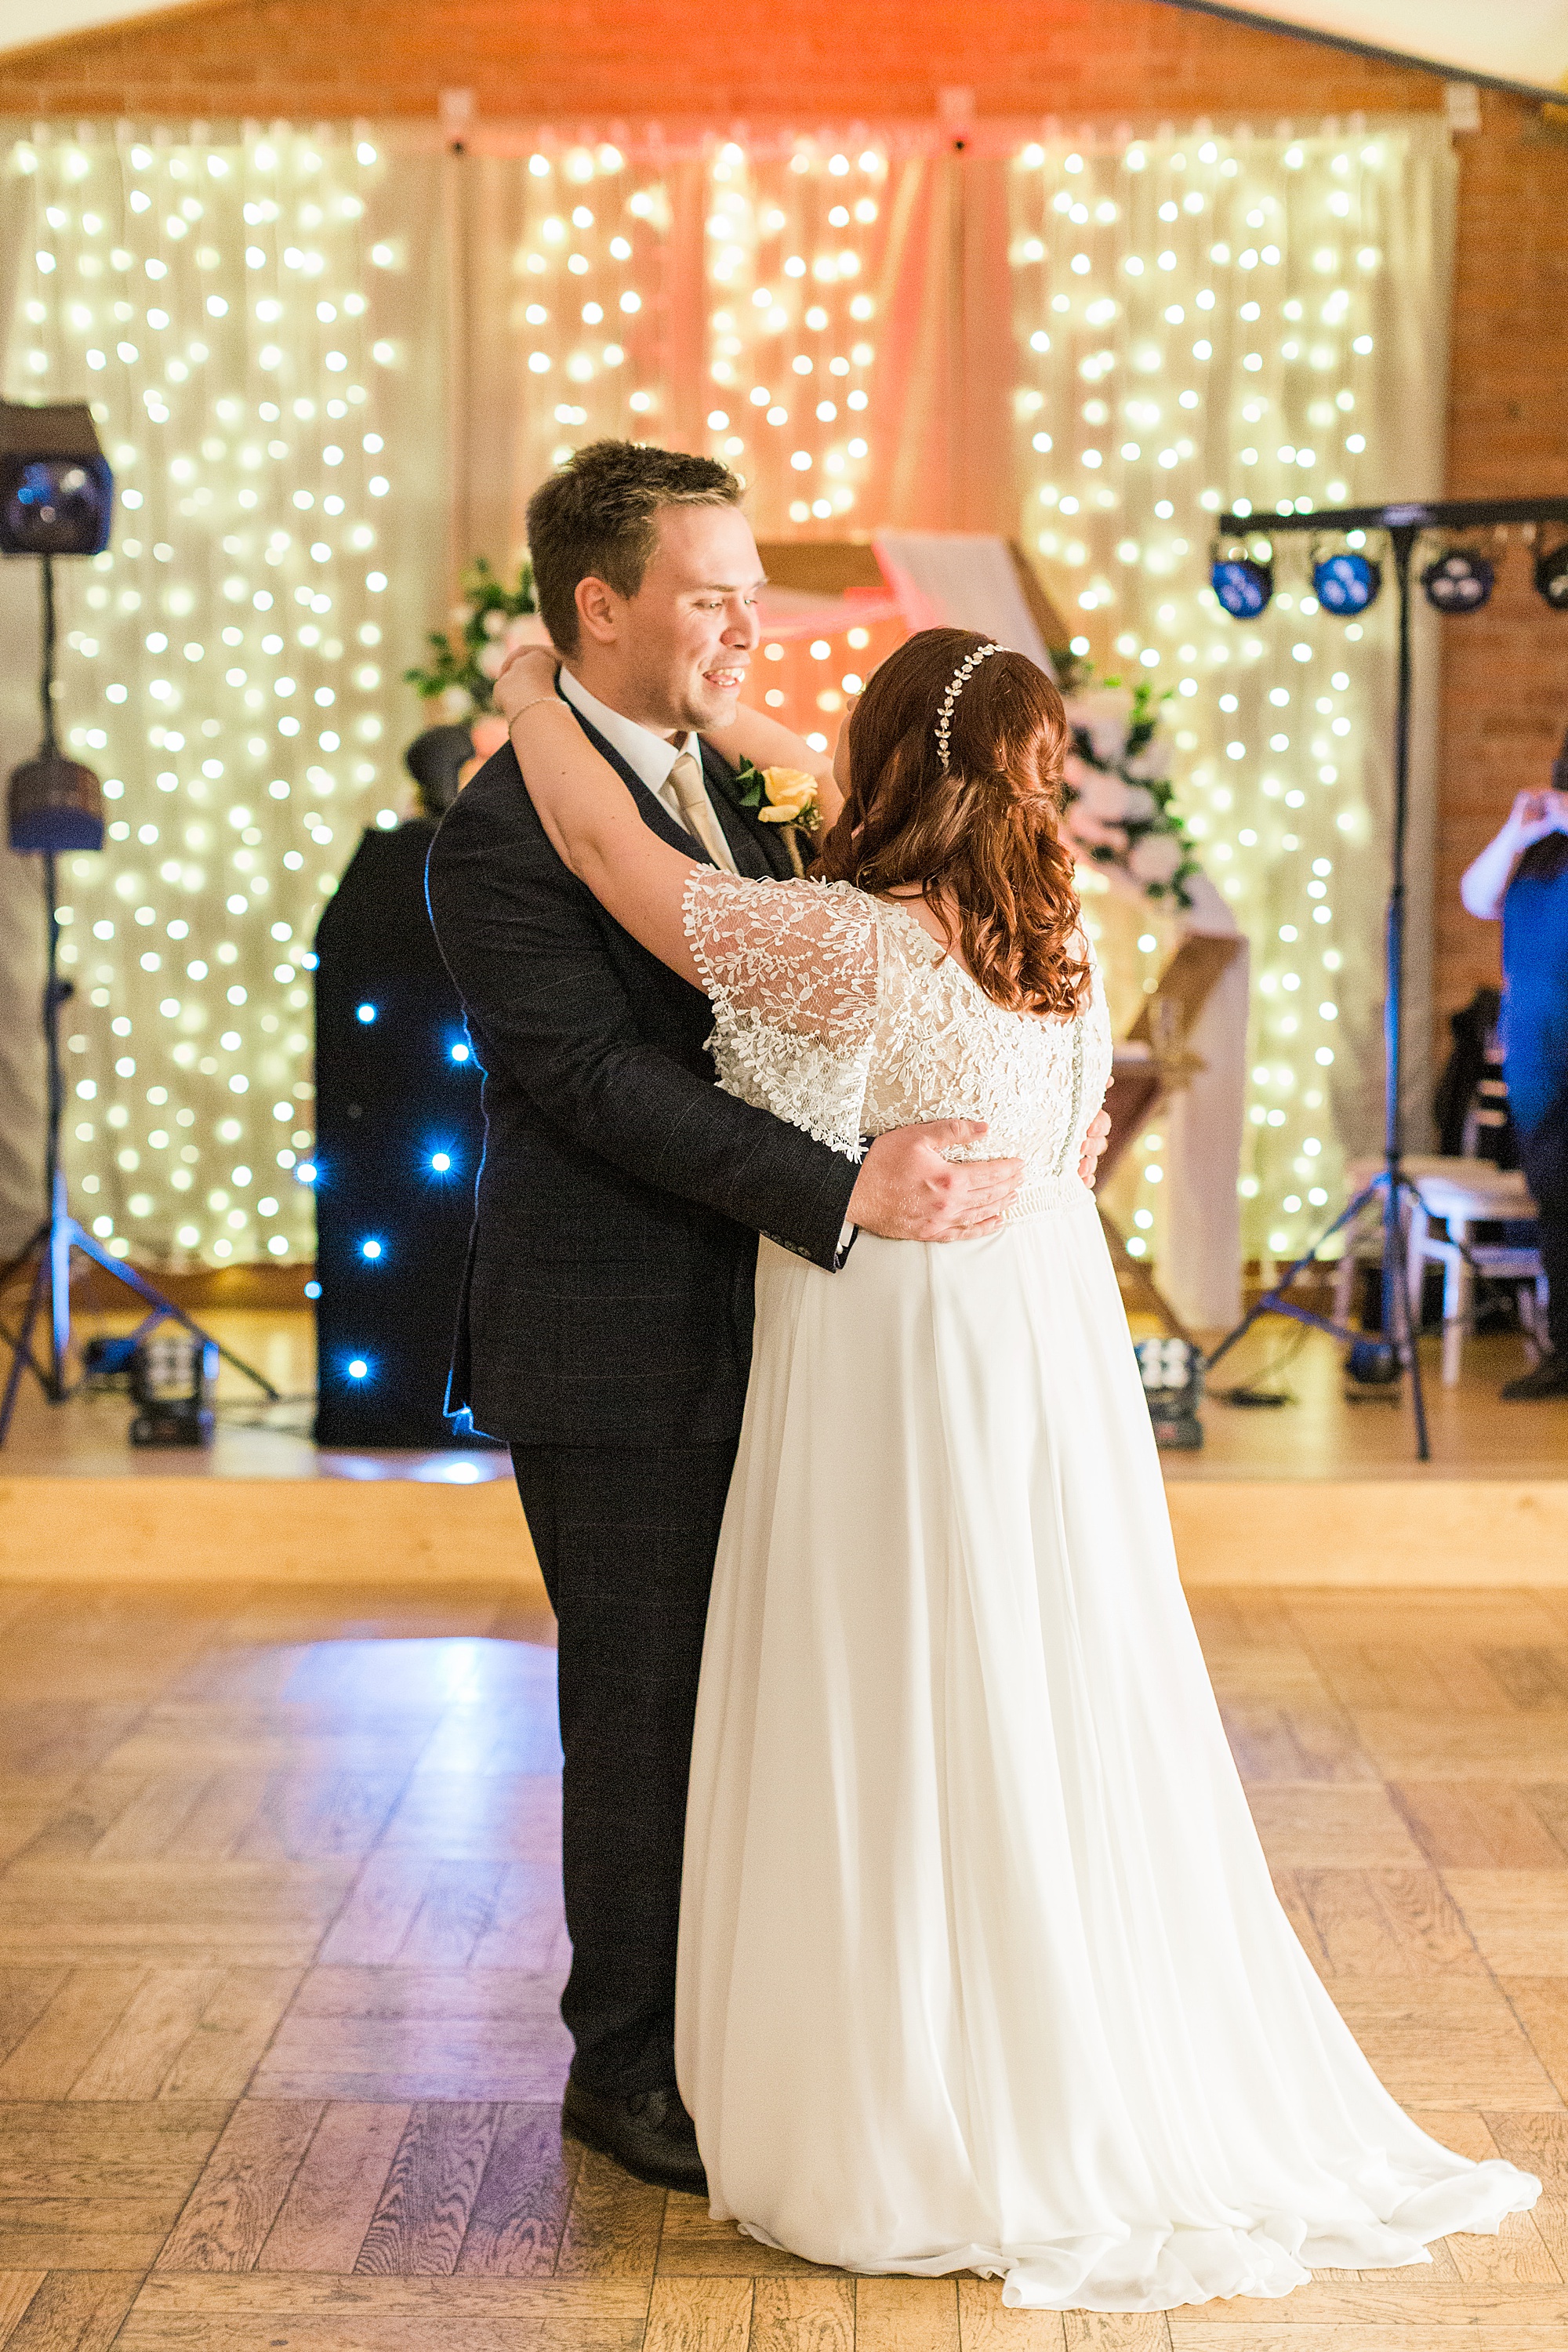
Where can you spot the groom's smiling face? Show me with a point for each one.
(676, 655)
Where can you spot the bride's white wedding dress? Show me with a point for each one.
(981, 1967)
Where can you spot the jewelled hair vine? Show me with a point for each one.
(961, 678)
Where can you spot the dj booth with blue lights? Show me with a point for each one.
(399, 1136)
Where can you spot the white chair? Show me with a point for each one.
(1464, 1193)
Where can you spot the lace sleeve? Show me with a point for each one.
(790, 968)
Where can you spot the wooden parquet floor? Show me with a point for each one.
(280, 1943)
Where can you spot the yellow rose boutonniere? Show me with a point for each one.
(783, 796)
(791, 797)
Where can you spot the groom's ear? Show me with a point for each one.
(598, 609)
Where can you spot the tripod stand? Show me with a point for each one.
(1403, 525)
(59, 1233)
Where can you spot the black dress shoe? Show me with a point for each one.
(649, 2132)
(1548, 1379)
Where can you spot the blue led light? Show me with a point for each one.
(370, 1249)
(305, 1172)
(313, 1290)
(358, 1369)
(459, 1053)
(1346, 582)
(440, 1161)
(367, 1014)
(1242, 586)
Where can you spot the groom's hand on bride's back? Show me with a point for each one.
(908, 1192)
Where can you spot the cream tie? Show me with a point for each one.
(696, 810)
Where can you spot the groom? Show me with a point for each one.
(605, 1322)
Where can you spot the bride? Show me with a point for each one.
(981, 1967)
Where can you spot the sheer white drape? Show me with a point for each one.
(795, 305)
(1203, 317)
(576, 310)
(260, 322)
(21, 900)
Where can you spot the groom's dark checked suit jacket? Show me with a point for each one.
(608, 1291)
(605, 1330)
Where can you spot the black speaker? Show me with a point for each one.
(399, 1135)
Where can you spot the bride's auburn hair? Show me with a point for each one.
(982, 835)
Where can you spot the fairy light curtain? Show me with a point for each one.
(806, 249)
(574, 317)
(794, 302)
(21, 910)
(258, 322)
(1200, 319)
(330, 366)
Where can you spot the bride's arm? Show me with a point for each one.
(768, 744)
(590, 817)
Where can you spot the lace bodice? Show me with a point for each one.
(839, 1012)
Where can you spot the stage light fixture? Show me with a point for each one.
(57, 493)
(1243, 584)
(1552, 576)
(1346, 582)
(1458, 581)
(57, 498)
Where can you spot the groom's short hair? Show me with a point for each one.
(598, 519)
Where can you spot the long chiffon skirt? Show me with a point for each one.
(981, 1967)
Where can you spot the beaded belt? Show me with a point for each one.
(1047, 1193)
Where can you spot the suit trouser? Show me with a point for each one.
(1543, 1158)
(626, 1538)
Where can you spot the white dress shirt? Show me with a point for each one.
(650, 756)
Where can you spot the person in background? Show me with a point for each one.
(487, 733)
(442, 759)
(1521, 878)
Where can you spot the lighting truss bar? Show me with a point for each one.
(1443, 514)
(1404, 520)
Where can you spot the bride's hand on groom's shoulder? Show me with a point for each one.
(527, 672)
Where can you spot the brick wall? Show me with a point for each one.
(1505, 685)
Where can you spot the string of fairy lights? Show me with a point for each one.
(261, 325)
(794, 242)
(585, 230)
(1197, 318)
(228, 657)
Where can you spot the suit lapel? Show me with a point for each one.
(757, 849)
(649, 807)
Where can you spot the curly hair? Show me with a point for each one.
(979, 838)
(598, 518)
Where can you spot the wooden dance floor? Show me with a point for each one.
(280, 1944)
